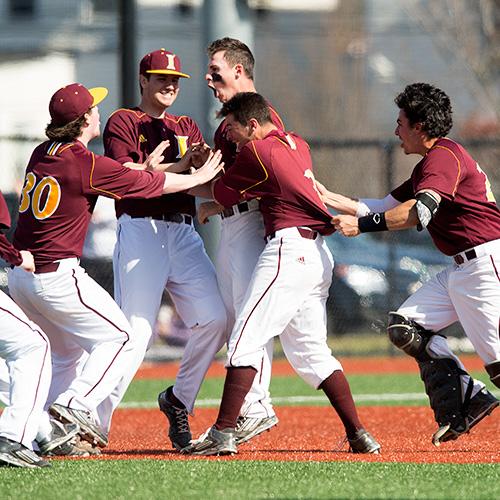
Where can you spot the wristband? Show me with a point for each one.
(372, 222)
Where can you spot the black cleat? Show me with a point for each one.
(179, 432)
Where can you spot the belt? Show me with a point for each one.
(235, 209)
(460, 258)
(50, 267)
(306, 233)
(179, 218)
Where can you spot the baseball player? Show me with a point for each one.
(26, 351)
(449, 194)
(289, 287)
(230, 70)
(62, 182)
(157, 246)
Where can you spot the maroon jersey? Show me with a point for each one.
(228, 148)
(468, 214)
(60, 190)
(7, 250)
(278, 170)
(131, 135)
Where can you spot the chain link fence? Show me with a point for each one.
(373, 273)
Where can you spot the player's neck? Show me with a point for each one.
(152, 110)
(246, 85)
(264, 130)
(428, 144)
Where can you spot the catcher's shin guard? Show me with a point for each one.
(441, 377)
(493, 370)
(407, 335)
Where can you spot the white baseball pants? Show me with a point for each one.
(25, 376)
(469, 293)
(287, 298)
(90, 337)
(152, 255)
(240, 246)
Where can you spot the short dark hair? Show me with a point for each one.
(423, 103)
(246, 105)
(235, 52)
(68, 132)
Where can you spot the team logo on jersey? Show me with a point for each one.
(142, 139)
(182, 145)
(301, 260)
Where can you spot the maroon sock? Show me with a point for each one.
(338, 392)
(238, 382)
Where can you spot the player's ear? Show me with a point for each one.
(238, 71)
(142, 81)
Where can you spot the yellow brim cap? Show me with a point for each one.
(167, 72)
(98, 94)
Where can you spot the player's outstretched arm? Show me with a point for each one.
(177, 182)
(402, 216)
(339, 203)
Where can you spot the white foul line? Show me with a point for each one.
(359, 398)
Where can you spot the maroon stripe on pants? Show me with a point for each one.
(258, 302)
(111, 323)
(43, 363)
(498, 278)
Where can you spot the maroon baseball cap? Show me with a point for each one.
(161, 62)
(73, 101)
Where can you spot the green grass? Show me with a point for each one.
(150, 479)
(164, 479)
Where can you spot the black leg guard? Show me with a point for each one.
(441, 377)
(493, 370)
(407, 335)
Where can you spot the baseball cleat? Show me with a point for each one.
(215, 443)
(480, 406)
(83, 448)
(363, 442)
(178, 432)
(89, 430)
(17, 455)
(248, 427)
(60, 438)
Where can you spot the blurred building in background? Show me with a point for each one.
(331, 67)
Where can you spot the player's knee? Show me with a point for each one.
(217, 323)
(407, 335)
(493, 370)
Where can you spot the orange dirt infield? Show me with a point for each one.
(282, 367)
(310, 434)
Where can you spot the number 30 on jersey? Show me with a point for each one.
(41, 197)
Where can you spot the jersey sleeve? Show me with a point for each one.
(4, 213)
(440, 172)
(119, 139)
(244, 178)
(404, 192)
(106, 177)
(7, 250)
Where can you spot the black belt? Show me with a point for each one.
(229, 212)
(50, 267)
(469, 255)
(179, 218)
(306, 233)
